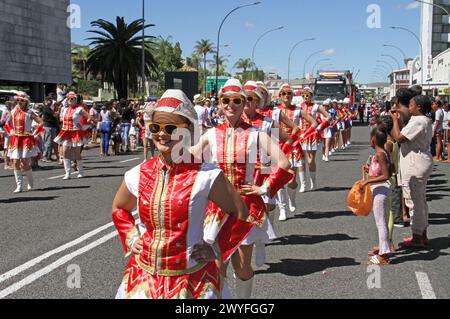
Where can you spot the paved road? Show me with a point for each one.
(48, 234)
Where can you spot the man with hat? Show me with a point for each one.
(202, 112)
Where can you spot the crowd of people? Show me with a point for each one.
(218, 169)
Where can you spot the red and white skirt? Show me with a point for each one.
(139, 284)
(21, 147)
(72, 138)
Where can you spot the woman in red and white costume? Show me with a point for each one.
(256, 101)
(22, 143)
(171, 258)
(310, 146)
(73, 134)
(294, 113)
(235, 146)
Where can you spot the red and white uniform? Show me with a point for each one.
(294, 113)
(171, 204)
(72, 132)
(22, 143)
(311, 143)
(235, 151)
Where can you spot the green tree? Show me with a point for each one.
(203, 48)
(244, 64)
(222, 64)
(80, 56)
(117, 54)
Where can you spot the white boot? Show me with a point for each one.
(19, 181)
(67, 168)
(30, 179)
(244, 288)
(302, 176)
(313, 180)
(282, 204)
(80, 169)
(291, 195)
(260, 254)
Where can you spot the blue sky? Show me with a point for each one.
(337, 24)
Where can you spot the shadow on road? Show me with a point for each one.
(27, 199)
(320, 215)
(48, 189)
(345, 160)
(439, 219)
(333, 189)
(303, 267)
(309, 239)
(103, 175)
(436, 246)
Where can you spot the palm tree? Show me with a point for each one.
(81, 55)
(117, 54)
(203, 47)
(244, 64)
(222, 63)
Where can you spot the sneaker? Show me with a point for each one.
(66, 177)
(326, 159)
(80, 176)
(323, 158)
(18, 190)
(400, 225)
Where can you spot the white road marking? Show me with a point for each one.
(37, 260)
(425, 286)
(130, 160)
(44, 271)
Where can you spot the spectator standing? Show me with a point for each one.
(438, 130)
(95, 122)
(446, 129)
(50, 119)
(127, 116)
(416, 164)
(105, 130)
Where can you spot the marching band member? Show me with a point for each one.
(296, 115)
(310, 146)
(327, 133)
(256, 101)
(235, 146)
(22, 145)
(174, 258)
(72, 136)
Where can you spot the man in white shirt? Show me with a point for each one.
(202, 112)
(446, 129)
(437, 130)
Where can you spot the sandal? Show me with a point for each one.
(379, 260)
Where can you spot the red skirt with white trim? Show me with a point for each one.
(21, 147)
(72, 138)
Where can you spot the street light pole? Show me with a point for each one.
(290, 55)
(393, 58)
(143, 51)
(218, 38)
(421, 50)
(436, 5)
(387, 63)
(317, 63)
(256, 43)
(307, 60)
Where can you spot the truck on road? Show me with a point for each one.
(334, 85)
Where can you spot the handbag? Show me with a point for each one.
(360, 201)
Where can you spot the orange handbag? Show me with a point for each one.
(360, 201)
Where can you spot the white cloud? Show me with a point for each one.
(412, 5)
(248, 24)
(328, 52)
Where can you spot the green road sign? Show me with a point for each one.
(211, 81)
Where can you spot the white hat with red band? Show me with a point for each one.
(285, 87)
(22, 96)
(307, 89)
(232, 86)
(71, 94)
(175, 102)
(252, 87)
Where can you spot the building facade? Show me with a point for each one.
(35, 45)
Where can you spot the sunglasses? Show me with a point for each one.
(250, 99)
(236, 101)
(21, 101)
(306, 95)
(156, 128)
(71, 99)
(286, 94)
